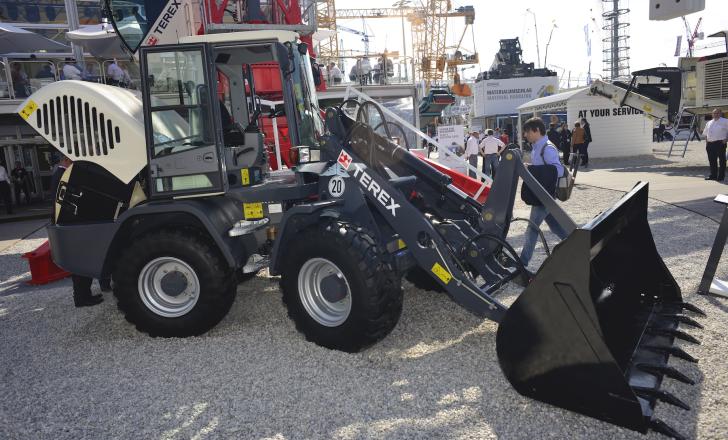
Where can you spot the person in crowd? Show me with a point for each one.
(490, 148)
(5, 189)
(21, 83)
(565, 141)
(553, 134)
(577, 140)
(20, 183)
(543, 153)
(114, 74)
(505, 137)
(71, 70)
(82, 295)
(91, 73)
(587, 140)
(45, 72)
(334, 73)
(355, 72)
(660, 131)
(716, 135)
(471, 152)
(366, 70)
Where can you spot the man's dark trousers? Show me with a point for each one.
(716, 156)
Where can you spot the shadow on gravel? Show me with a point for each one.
(22, 287)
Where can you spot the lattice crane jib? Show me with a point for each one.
(328, 47)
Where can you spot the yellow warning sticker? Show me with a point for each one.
(245, 176)
(647, 108)
(253, 211)
(441, 273)
(401, 244)
(28, 110)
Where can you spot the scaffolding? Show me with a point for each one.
(328, 47)
(615, 44)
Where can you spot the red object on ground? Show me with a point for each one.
(464, 183)
(42, 268)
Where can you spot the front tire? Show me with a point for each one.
(172, 284)
(338, 291)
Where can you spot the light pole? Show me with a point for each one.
(535, 25)
(549, 42)
(402, 4)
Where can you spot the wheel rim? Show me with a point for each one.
(169, 287)
(313, 274)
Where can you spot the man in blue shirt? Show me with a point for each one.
(543, 153)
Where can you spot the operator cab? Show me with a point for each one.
(202, 112)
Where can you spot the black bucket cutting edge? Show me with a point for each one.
(594, 330)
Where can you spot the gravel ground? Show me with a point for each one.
(86, 373)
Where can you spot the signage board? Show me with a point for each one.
(503, 96)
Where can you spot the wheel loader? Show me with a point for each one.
(170, 194)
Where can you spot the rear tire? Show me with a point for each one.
(338, 291)
(173, 284)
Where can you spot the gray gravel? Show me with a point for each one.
(86, 373)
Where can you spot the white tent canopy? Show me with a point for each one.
(99, 39)
(17, 40)
(616, 131)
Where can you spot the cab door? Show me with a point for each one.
(178, 86)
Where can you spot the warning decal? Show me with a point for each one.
(344, 159)
(441, 273)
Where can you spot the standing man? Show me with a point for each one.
(716, 134)
(334, 74)
(577, 140)
(82, 296)
(5, 189)
(553, 134)
(114, 74)
(471, 152)
(565, 143)
(491, 147)
(20, 182)
(543, 153)
(71, 71)
(587, 140)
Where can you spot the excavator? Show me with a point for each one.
(171, 194)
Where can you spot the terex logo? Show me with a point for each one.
(171, 10)
(370, 185)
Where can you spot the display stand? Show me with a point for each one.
(709, 285)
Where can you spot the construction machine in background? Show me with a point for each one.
(679, 96)
(172, 196)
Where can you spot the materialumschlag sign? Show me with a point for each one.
(503, 96)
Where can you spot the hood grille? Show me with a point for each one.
(78, 128)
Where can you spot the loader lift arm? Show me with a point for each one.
(448, 233)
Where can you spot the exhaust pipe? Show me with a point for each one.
(594, 330)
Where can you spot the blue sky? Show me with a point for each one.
(651, 42)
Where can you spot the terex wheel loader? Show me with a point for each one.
(170, 195)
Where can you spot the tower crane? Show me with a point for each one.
(691, 35)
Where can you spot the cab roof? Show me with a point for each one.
(243, 36)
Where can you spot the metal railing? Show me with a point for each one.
(372, 70)
(21, 78)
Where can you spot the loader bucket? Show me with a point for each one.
(593, 331)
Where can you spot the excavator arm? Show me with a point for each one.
(657, 92)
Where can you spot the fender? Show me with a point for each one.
(91, 249)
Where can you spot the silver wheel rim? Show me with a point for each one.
(169, 287)
(310, 277)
